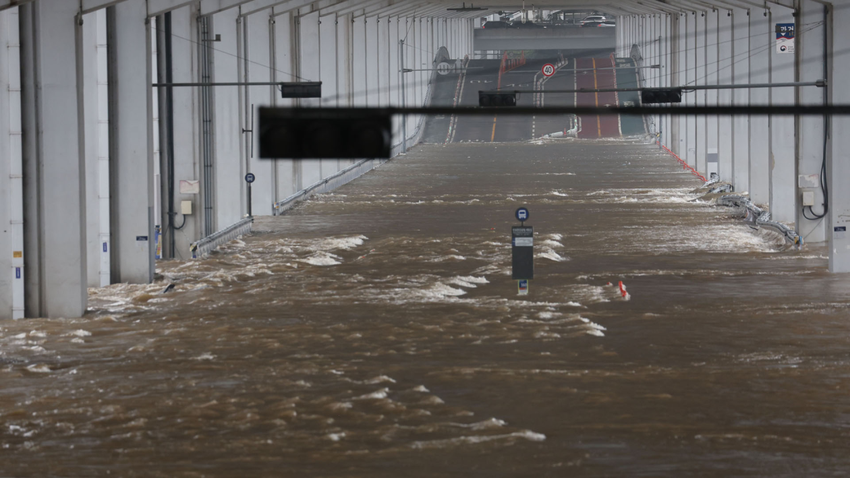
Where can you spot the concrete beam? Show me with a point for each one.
(158, 7)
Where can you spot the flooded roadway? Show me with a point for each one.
(376, 332)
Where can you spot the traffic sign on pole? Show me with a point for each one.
(249, 178)
(548, 70)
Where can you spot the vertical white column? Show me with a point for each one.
(11, 175)
(711, 122)
(285, 70)
(328, 76)
(372, 73)
(759, 56)
(93, 25)
(741, 97)
(258, 69)
(811, 139)
(228, 170)
(839, 166)
(310, 58)
(701, 70)
(725, 70)
(54, 162)
(131, 171)
(681, 78)
(783, 203)
(360, 60)
(691, 60)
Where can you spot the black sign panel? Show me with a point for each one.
(324, 133)
(522, 252)
(301, 89)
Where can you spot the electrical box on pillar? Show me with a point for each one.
(661, 95)
(496, 98)
(324, 133)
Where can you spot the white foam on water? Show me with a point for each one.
(204, 356)
(543, 334)
(558, 193)
(552, 256)
(81, 333)
(336, 436)
(323, 259)
(482, 425)
(471, 440)
(470, 282)
(39, 368)
(441, 290)
(379, 394)
(420, 388)
(573, 304)
(379, 379)
(37, 333)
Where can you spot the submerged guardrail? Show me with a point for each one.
(758, 217)
(211, 242)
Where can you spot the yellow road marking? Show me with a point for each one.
(596, 87)
(493, 136)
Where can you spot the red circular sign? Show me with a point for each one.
(548, 69)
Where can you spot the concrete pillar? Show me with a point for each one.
(95, 111)
(373, 63)
(360, 59)
(228, 167)
(328, 75)
(11, 175)
(740, 97)
(782, 172)
(711, 148)
(258, 70)
(811, 66)
(285, 69)
(54, 161)
(187, 128)
(701, 68)
(130, 142)
(759, 55)
(310, 61)
(690, 77)
(838, 163)
(680, 140)
(725, 76)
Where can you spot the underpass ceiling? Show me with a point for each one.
(436, 8)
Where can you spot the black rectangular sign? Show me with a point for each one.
(301, 89)
(522, 252)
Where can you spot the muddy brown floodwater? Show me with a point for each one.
(376, 332)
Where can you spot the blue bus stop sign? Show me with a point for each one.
(522, 214)
(249, 178)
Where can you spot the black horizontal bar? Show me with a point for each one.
(788, 110)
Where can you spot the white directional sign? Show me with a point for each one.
(548, 70)
(444, 68)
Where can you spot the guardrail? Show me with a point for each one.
(328, 184)
(681, 161)
(211, 242)
(758, 217)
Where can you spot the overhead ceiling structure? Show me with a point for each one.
(442, 9)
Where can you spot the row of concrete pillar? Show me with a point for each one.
(774, 159)
(94, 147)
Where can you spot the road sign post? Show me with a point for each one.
(249, 178)
(522, 251)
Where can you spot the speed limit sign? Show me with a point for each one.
(548, 70)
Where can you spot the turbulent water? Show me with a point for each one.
(377, 332)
